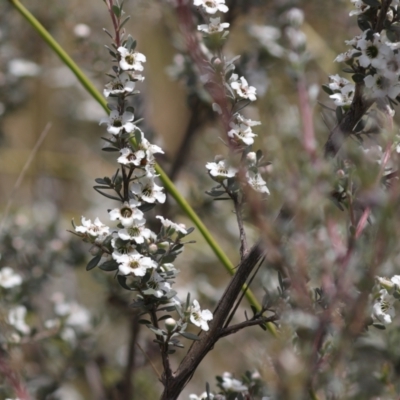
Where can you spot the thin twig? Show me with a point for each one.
(150, 362)
(21, 176)
(235, 328)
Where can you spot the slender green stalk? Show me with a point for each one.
(170, 187)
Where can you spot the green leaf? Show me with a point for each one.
(122, 281)
(116, 11)
(144, 322)
(111, 265)
(188, 335)
(110, 149)
(93, 263)
(101, 181)
(109, 196)
(379, 326)
(327, 89)
(125, 21)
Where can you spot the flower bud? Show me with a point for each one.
(170, 324)
(153, 248)
(251, 157)
(163, 245)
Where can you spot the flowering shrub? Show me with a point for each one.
(316, 216)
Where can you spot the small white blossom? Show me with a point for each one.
(147, 190)
(128, 157)
(220, 170)
(8, 278)
(149, 148)
(212, 6)
(345, 96)
(231, 384)
(96, 229)
(203, 396)
(169, 224)
(248, 122)
(373, 52)
(136, 232)
(16, 318)
(381, 87)
(121, 84)
(256, 182)
(134, 263)
(244, 90)
(131, 59)
(242, 134)
(214, 26)
(116, 122)
(198, 317)
(383, 309)
(360, 6)
(392, 67)
(127, 214)
(338, 83)
(346, 56)
(396, 280)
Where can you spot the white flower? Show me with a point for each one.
(338, 83)
(346, 56)
(96, 230)
(128, 157)
(157, 286)
(256, 182)
(396, 280)
(8, 278)
(242, 134)
(392, 67)
(127, 213)
(79, 317)
(149, 148)
(244, 90)
(212, 6)
(214, 26)
(294, 16)
(134, 263)
(220, 170)
(131, 59)
(147, 190)
(136, 231)
(383, 310)
(169, 224)
(381, 87)
(360, 6)
(248, 122)
(198, 317)
(16, 318)
(345, 96)
(116, 122)
(121, 84)
(373, 52)
(231, 384)
(203, 396)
